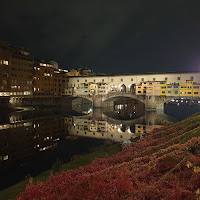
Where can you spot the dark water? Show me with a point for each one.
(32, 141)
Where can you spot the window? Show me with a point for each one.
(191, 78)
(176, 92)
(196, 93)
(94, 80)
(169, 91)
(154, 79)
(189, 93)
(166, 78)
(163, 87)
(85, 80)
(111, 80)
(77, 80)
(139, 91)
(175, 86)
(183, 92)
(4, 82)
(132, 79)
(4, 62)
(142, 79)
(163, 92)
(102, 80)
(5, 75)
(121, 79)
(169, 86)
(150, 83)
(196, 87)
(178, 78)
(148, 91)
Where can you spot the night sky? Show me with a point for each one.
(110, 36)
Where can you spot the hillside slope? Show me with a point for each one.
(164, 165)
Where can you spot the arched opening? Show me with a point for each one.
(123, 88)
(132, 128)
(133, 88)
(123, 128)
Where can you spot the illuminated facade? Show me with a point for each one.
(43, 84)
(166, 84)
(16, 69)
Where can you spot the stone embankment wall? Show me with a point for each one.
(63, 101)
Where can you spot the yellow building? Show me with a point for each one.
(141, 89)
(153, 88)
(163, 86)
(172, 90)
(140, 128)
(186, 89)
(73, 72)
(196, 89)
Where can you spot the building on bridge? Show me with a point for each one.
(169, 84)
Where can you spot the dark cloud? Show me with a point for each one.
(113, 36)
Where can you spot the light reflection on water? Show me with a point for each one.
(31, 141)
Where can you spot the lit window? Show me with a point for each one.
(4, 62)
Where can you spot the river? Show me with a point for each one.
(32, 140)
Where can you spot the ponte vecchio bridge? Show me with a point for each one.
(151, 89)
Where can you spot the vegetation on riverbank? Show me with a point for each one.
(103, 151)
(164, 165)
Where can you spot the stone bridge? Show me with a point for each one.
(151, 102)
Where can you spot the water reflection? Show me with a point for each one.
(99, 124)
(31, 141)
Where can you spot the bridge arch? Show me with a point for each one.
(123, 128)
(132, 128)
(132, 88)
(122, 88)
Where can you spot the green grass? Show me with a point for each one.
(100, 152)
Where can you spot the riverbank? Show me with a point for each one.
(163, 165)
(78, 161)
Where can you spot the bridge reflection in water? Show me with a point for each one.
(127, 119)
(24, 134)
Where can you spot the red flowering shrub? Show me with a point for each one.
(164, 165)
